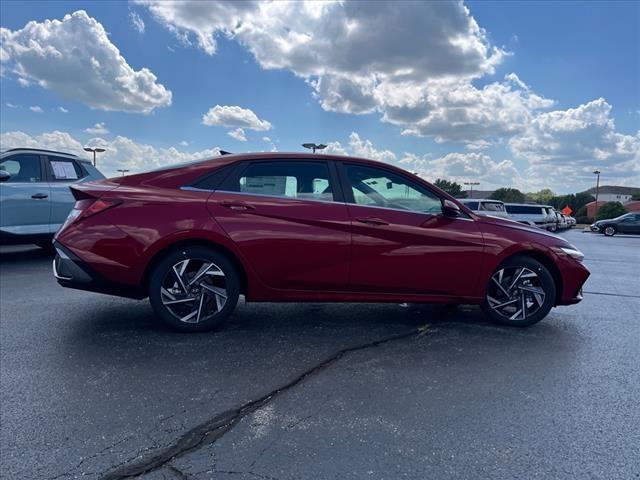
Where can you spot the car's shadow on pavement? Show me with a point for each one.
(18, 254)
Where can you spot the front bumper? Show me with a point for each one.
(594, 228)
(71, 272)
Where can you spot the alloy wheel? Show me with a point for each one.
(194, 290)
(515, 293)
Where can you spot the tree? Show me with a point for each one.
(582, 199)
(543, 196)
(509, 195)
(610, 210)
(452, 188)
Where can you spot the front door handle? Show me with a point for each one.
(39, 196)
(237, 206)
(372, 221)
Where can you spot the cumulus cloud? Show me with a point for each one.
(137, 22)
(461, 167)
(184, 143)
(354, 55)
(74, 58)
(98, 129)
(238, 134)
(234, 117)
(571, 143)
(36, 108)
(358, 147)
(11, 105)
(63, 110)
(121, 152)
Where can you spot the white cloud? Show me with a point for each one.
(184, 143)
(36, 108)
(358, 147)
(564, 146)
(97, 129)
(353, 54)
(238, 134)
(470, 166)
(121, 152)
(137, 22)
(74, 58)
(11, 105)
(63, 110)
(272, 145)
(235, 117)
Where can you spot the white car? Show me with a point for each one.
(481, 206)
(532, 214)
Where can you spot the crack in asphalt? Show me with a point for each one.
(613, 294)
(212, 430)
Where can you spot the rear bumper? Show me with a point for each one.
(71, 272)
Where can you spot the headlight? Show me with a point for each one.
(573, 253)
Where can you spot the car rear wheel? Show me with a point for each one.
(520, 292)
(194, 289)
(610, 231)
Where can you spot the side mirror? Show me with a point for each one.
(4, 175)
(450, 209)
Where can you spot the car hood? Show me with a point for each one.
(512, 224)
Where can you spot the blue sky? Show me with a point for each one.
(537, 95)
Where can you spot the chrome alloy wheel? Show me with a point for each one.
(515, 293)
(194, 290)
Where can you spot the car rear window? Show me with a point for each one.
(492, 207)
(302, 180)
(524, 209)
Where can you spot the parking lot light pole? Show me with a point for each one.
(471, 184)
(597, 172)
(313, 147)
(123, 170)
(94, 151)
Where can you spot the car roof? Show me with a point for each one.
(44, 151)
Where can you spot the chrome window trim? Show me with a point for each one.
(279, 196)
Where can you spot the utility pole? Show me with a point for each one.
(597, 172)
(471, 184)
(94, 151)
(123, 170)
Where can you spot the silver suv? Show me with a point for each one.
(541, 216)
(34, 193)
(481, 206)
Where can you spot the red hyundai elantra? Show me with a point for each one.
(302, 227)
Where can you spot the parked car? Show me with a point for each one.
(571, 222)
(34, 193)
(494, 208)
(561, 221)
(531, 214)
(627, 223)
(302, 227)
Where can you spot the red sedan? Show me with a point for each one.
(302, 227)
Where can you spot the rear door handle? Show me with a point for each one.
(39, 196)
(372, 221)
(237, 206)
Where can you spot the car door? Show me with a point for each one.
(402, 242)
(62, 172)
(25, 207)
(290, 222)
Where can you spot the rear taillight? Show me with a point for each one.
(87, 208)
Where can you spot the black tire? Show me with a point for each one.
(543, 280)
(609, 231)
(163, 273)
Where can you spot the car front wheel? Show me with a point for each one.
(610, 231)
(194, 289)
(520, 292)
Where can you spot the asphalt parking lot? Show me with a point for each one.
(92, 387)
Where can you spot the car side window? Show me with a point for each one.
(302, 180)
(23, 168)
(382, 188)
(64, 169)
